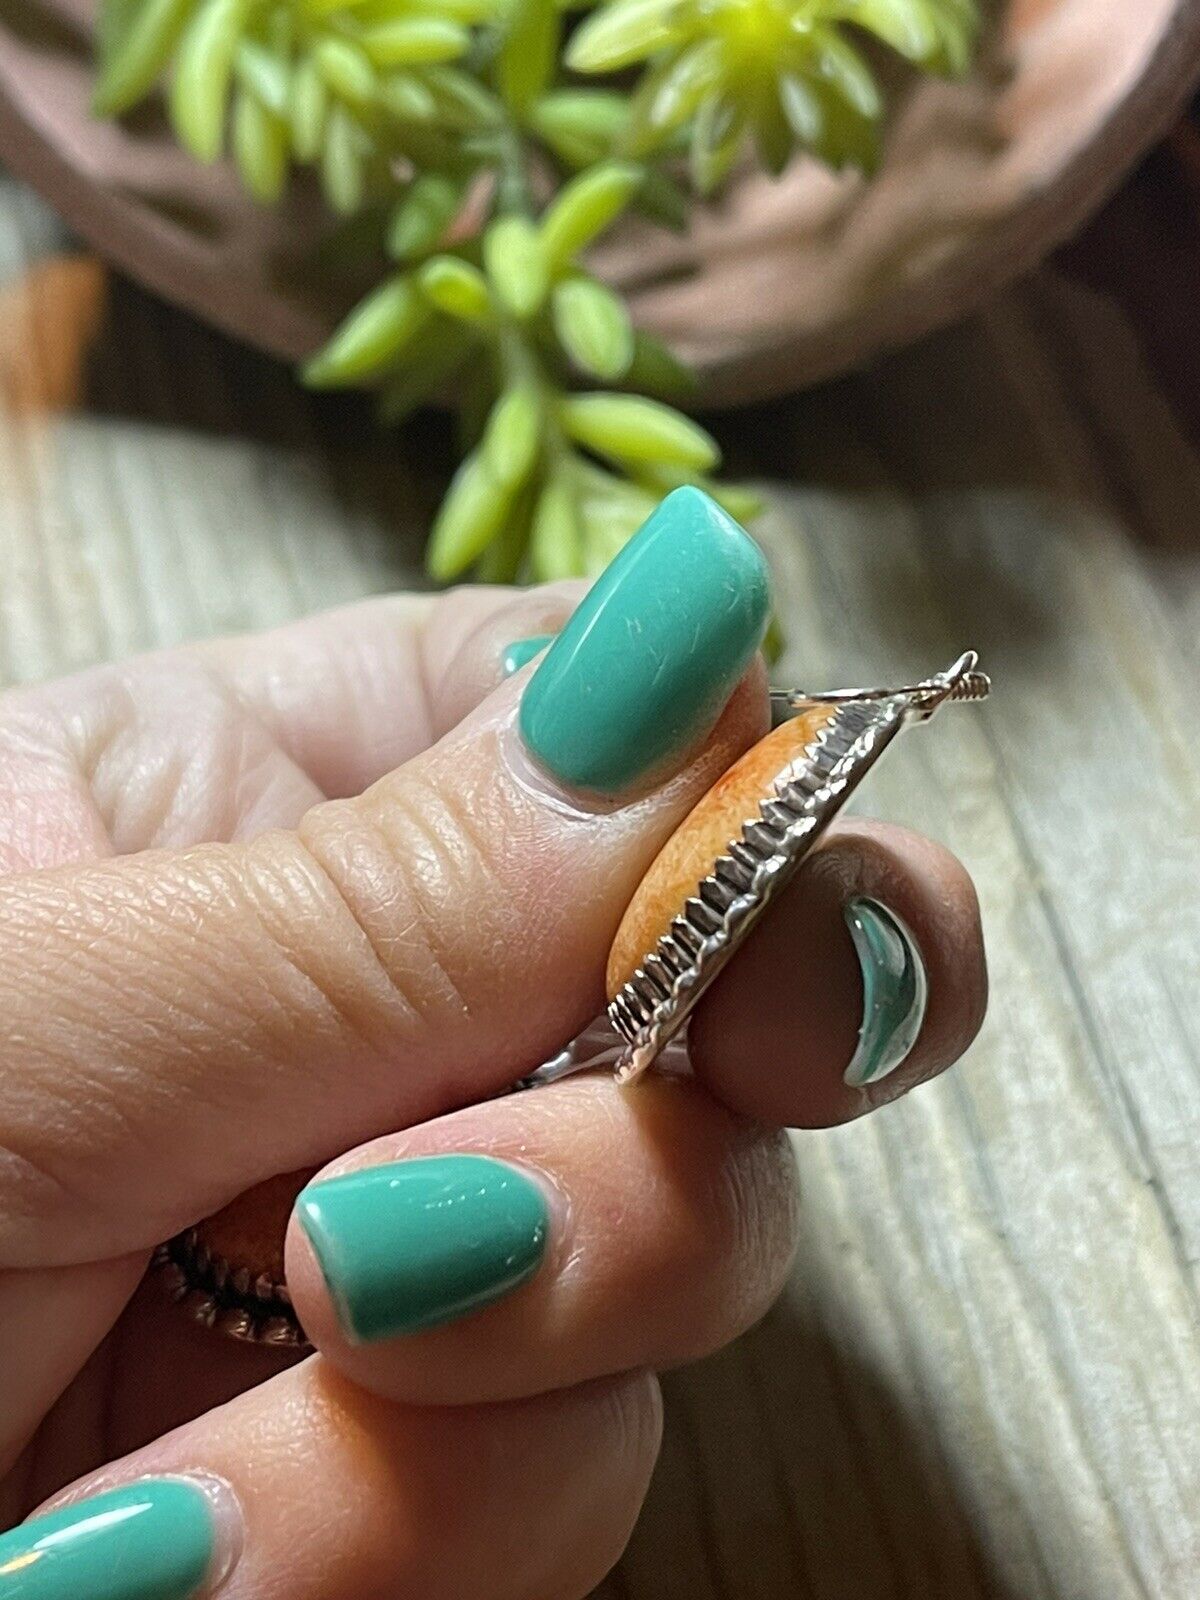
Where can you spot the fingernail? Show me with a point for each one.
(644, 666)
(150, 1540)
(895, 991)
(413, 1243)
(522, 652)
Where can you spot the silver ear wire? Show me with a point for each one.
(961, 681)
(648, 1013)
(765, 849)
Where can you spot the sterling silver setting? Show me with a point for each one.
(233, 1301)
(654, 1005)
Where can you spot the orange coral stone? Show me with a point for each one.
(706, 833)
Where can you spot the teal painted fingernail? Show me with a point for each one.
(644, 666)
(895, 991)
(150, 1540)
(414, 1243)
(522, 652)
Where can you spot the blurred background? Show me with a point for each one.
(984, 1379)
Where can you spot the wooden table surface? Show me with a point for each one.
(984, 1379)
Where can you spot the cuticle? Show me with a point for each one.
(229, 1524)
(560, 1211)
(224, 1506)
(542, 786)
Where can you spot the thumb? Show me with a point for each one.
(181, 1024)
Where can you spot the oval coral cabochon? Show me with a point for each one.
(704, 835)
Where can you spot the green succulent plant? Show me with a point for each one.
(485, 145)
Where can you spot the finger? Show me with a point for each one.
(309, 1488)
(355, 692)
(50, 1322)
(53, 1318)
(211, 742)
(543, 1239)
(780, 1029)
(179, 1025)
(223, 740)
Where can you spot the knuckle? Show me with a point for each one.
(413, 874)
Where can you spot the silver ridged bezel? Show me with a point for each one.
(257, 1309)
(657, 1000)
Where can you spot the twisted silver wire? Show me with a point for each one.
(960, 682)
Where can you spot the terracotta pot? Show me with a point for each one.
(783, 283)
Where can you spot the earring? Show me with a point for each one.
(745, 840)
(708, 886)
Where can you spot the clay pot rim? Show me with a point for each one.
(151, 251)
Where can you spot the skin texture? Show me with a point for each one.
(217, 963)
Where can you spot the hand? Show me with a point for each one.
(269, 898)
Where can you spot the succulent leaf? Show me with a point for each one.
(593, 327)
(511, 435)
(203, 74)
(517, 264)
(589, 204)
(412, 41)
(625, 31)
(260, 146)
(371, 337)
(136, 41)
(580, 125)
(527, 54)
(554, 543)
(423, 215)
(630, 428)
(429, 121)
(343, 162)
(458, 289)
(471, 516)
